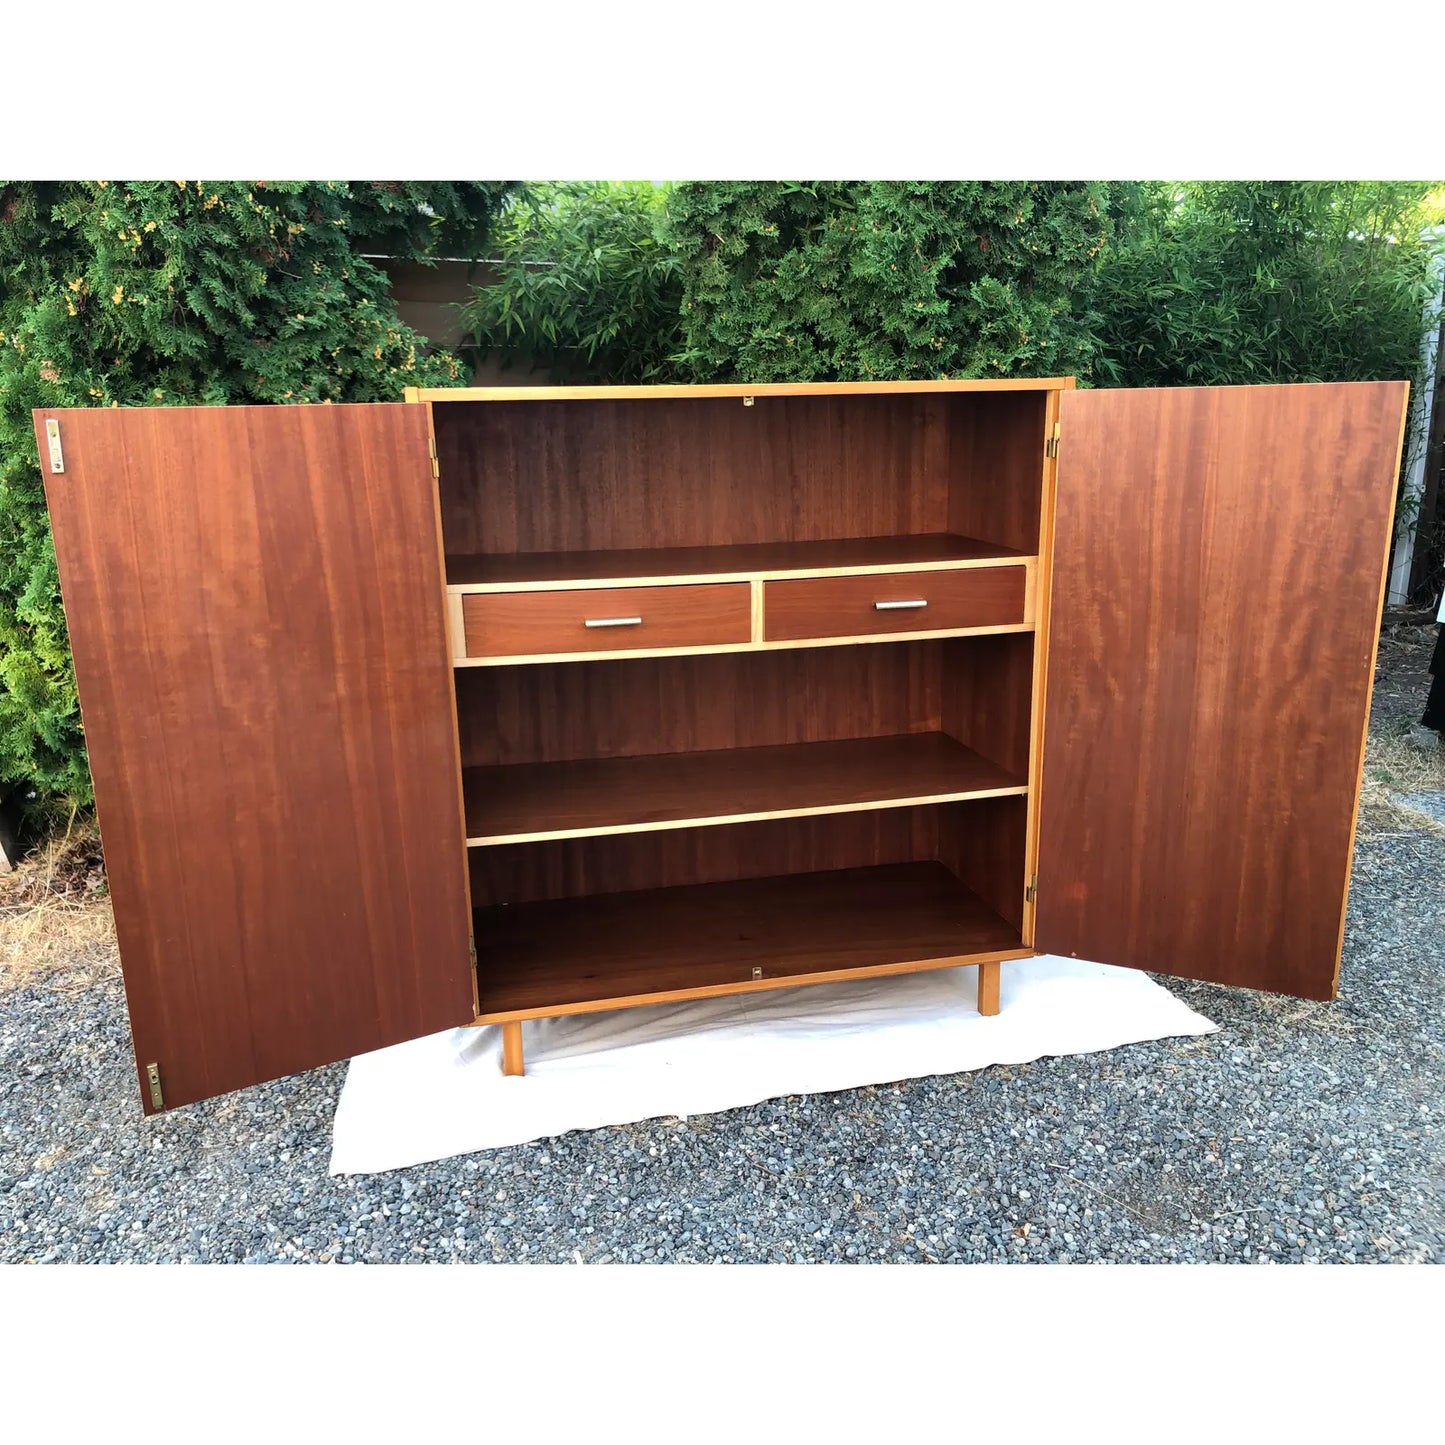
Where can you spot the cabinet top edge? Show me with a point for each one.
(731, 389)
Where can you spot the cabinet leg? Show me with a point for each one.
(988, 978)
(512, 1049)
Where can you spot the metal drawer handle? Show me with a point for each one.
(899, 606)
(613, 622)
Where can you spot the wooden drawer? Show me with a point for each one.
(605, 619)
(893, 602)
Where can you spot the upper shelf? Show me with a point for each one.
(483, 572)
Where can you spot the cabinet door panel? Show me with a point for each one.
(1219, 562)
(255, 607)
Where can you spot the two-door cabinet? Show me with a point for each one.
(495, 705)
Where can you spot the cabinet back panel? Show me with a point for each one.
(524, 872)
(996, 466)
(982, 843)
(987, 697)
(637, 706)
(599, 475)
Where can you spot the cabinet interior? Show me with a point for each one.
(636, 825)
(525, 478)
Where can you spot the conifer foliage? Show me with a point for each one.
(184, 293)
(857, 280)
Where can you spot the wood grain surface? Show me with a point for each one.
(554, 712)
(996, 463)
(254, 602)
(988, 695)
(605, 474)
(623, 948)
(983, 842)
(1217, 586)
(672, 790)
(847, 606)
(643, 564)
(523, 624)
(574, 867)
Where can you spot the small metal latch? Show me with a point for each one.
(747, 401)
(52, 435)
(1031, 892)
(1051, 447)
(153, 1074)
(757, 973)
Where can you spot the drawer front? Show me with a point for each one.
(605, 619)
(887, 602)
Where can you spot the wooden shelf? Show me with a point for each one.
(533, 801)
(581, 955)
(489, 571)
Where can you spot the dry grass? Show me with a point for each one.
(1395, 767)
(55, 913)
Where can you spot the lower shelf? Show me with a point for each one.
(614, 950)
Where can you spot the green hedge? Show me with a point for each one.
(118, 293)
(854, 280)
(1223, 283)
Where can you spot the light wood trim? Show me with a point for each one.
(733, 389)
(989, 975)
(739, 646)
(757, 609)
(814, 811)
(1369, 698)
(1041, 579)
(512, 1064)
(759, 985)
(454, 638)
(773, 574)
(411, 395)
(456, 626)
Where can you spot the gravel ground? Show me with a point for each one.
(1299, 1132)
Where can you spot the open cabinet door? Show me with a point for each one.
(1219, 562)
(255, 609)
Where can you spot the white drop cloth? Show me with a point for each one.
(446, 1094)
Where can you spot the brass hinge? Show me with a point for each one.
(153, 1075)
(1051, 447)
(472, 950)
(431, 446)
(52, 435)
(1032, 891)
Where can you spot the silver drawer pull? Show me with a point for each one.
(613, 622)
(900, 606)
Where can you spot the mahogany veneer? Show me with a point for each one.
(894, 602)
(500, 624)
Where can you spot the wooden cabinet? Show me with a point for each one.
(494, 705)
